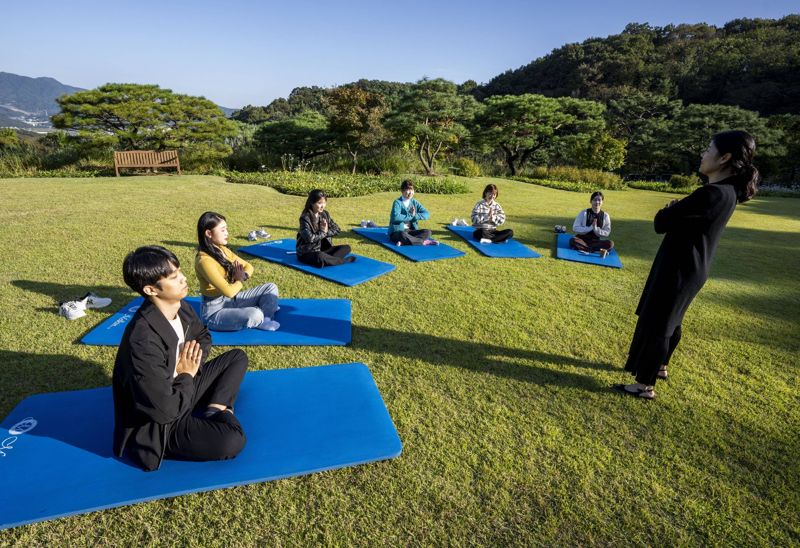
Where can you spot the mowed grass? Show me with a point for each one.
(496, 373)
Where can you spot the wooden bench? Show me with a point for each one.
(146, 158)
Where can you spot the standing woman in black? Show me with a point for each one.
(692, 228)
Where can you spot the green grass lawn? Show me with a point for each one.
(495, 372)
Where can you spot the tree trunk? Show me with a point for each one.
(511, 158)
(424, 158)
(354, 154)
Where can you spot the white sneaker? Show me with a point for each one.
(268, 325)
(252, 236)
(363, 223)
(91, 300)
(454, 222)
(464, 222)
(261, 233)
(486, 241)
(72, 310)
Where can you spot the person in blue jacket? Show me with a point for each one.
(404, 219)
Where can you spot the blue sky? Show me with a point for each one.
(247, 52)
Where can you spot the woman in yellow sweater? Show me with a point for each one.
(221, 273)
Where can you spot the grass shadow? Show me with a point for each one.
(65, 292)
(177, 243)
(32, 374)
(513, 363)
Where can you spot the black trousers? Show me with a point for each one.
(410, 237)
(329, 255)
(590, 244)
(219, 437)
(649, 352)
(497, 236)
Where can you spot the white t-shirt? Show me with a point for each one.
(406, 203)
(177, 326)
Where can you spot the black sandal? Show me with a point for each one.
(639, 393)
(662, 373)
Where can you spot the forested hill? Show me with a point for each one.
(751, 63)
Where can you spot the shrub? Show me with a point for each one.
(599, 180)
(684, 181)
(658, 187)
(437, 185)
(245, 159)
(204, 158)
(466, 167)
(340, 185)
(784, 191)
(388, 162)
(571, 186)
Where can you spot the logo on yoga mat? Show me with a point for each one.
(25, 425)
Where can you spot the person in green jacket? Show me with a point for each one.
(404, 219)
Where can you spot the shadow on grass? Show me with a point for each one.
(773, 206)
(67, 292)
(23, 374)
(532, 366)
(176, 243)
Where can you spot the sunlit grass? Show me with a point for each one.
(496, 373)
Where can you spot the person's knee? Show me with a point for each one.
(272, 289)
(238, 359)
(255, 317)
(233, 440)
(233, 443)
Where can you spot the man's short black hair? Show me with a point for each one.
(147, 265)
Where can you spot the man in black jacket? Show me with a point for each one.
(168, 403)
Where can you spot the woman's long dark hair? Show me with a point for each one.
(209, 221)
(741, 146)
(313, 197)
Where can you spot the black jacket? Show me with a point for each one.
(310, 237)
(147, 398)
(692, 228)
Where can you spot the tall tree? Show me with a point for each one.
(518, 125)
(433, 115)
(692, 129)
(355, 117)
(304, 137)
(133, 116)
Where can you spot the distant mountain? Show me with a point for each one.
(28, 103)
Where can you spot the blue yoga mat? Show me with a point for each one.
(304, 322)
(350, 274)
(56, 457)
(563, 251)
(510, 249)
(419, 253)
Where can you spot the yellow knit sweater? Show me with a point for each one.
(211, 275)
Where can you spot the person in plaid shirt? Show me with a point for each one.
(487, 215)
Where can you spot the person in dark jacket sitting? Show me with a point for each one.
(315, 238)
(168, 401)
